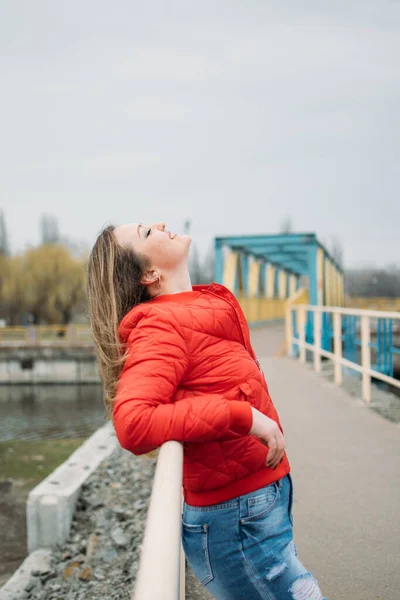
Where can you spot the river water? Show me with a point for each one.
(34, 412)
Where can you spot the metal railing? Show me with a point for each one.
(161, 573)
(373, 303)
(299, 298)
(46, 335)
(350, 338)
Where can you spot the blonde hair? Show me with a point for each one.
(113, 288)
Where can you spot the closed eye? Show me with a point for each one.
(148, 232)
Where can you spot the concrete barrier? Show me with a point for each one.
(51, 504)
(44, 364)
(38, 561)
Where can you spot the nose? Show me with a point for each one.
(160, 226)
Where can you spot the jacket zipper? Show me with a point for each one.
(240, 327)
(237, 318)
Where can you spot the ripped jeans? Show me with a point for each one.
(243, 549)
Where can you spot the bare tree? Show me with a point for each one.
(337, 251)
(194, 266)
(286, 225)
(4, 243)
(208, 266)
(49, 229)
(373, 282)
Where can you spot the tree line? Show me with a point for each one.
(370, 282)
(46, 284)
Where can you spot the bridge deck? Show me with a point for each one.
(346, 464)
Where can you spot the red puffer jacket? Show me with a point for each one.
(192, 376)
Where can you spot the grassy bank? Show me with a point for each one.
(24, 464)
(28, 462)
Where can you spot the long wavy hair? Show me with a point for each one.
(113, 288)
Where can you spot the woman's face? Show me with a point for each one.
(164, 249)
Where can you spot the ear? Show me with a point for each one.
(150, 277)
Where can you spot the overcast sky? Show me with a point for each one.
(232, 114)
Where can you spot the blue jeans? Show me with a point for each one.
(243, 549)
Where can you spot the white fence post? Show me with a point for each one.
(317, 340)
(288, 329)
(302, 333)
(365, 358)
(337, 347)
(363, 319)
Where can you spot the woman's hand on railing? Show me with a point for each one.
(267, 430)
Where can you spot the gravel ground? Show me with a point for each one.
(383, 401)
(100, 559)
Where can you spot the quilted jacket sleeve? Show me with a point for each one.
(144, 414)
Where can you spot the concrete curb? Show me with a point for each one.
(37, 561)
(51, 504)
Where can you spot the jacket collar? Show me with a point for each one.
(183, 297)
(130, 319)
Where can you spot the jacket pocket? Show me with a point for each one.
(246, 389)
(195, 544)
(258, 397)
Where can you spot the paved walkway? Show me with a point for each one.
(346, 467)
(345, 462)
(268, 341)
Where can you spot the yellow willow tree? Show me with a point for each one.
(69, 292)
(12, 289)
(4, 267)
(54, 283)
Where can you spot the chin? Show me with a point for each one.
(186, 239)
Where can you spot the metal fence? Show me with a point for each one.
(365, 341)
(373, 303)
(46, 335)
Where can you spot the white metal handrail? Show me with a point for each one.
(353, 311)
(46, 335)
(161, 573)
(336, 356)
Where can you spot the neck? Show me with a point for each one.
(174, 283)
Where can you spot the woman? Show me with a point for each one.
(177, 364)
